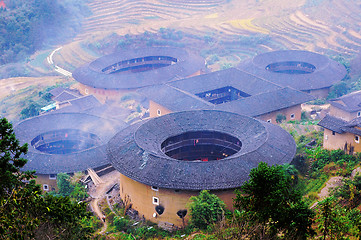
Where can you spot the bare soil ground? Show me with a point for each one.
(330, 184)
(12, 85)
(99, 192)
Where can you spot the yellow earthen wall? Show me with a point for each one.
(296, 110)
(196, 74)
(339, 113)
(44, 179)
(154, 107)
(337, 141)
(102, 94)
(319, 93)
(141, 198)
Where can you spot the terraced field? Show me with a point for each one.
(112, 15)
(245, 28)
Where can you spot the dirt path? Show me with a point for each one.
(330, 184)
(99, 192)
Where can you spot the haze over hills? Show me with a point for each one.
(236, 30)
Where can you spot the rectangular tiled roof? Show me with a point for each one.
(265, 97)
(230, 77)
(332, 123)
(266, 102)
(349, 103)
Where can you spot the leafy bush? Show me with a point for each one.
(121, 223)
(280, 118)
(206, 209)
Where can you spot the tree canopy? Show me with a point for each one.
(272, 201)
(25, 212)
(26, 25)
(206, 209)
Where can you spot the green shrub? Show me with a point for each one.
(206, 209)
(280, 118)
(121, 223)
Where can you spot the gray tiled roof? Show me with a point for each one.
(174, 99)
(332, 123)
(266, 102)
(230, 77)
(91, 75)
(327, 73)
(340, 126)
(80, 104)
(136, 151)
(44, 163)
(65, 96)
(265, 97)
(349, 103)
(56, 91)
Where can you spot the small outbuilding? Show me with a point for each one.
(165, 160)
(342, 127)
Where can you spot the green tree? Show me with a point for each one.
(332, 220)
(30, 111)
(70, 188)
(24, 212)
(280, 118)
(11, 160)
(338, 90)
(206, 209)
(273, 202)
(64, 184)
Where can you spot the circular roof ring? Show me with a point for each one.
(137, 68)
(301, 70)
(142, 151)
(66, 142)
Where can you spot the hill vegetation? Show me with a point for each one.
(27, 25)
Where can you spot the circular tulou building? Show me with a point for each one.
(166, 160)
(302, 70)
(65, 143)
(113, 75)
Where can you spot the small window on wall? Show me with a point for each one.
(333, 133)
(159, 112)
(292, 116)
(326, 137)
(155, 201)
(269, 120)
(45, 187)
(52, 176)
(357, 139)
(155, 188)
(358, 114)
(86, 91)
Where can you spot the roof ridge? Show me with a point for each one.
(190, 95)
